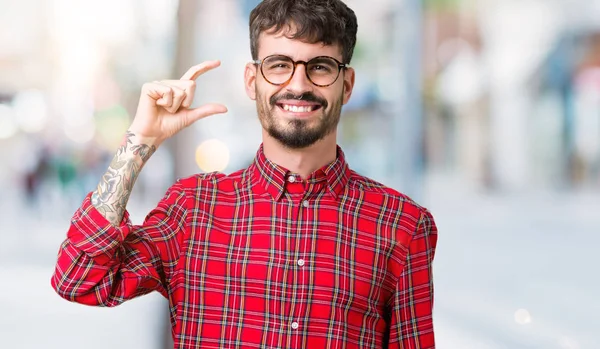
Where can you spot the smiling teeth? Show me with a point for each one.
(297, 109)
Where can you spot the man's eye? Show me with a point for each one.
(320, 68)
(281, 65)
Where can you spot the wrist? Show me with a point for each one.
(136, 137)
(138, 146)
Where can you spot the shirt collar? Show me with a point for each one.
(271, 177)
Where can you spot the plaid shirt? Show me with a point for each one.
(263, 259)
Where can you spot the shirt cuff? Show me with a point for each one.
(93, 234)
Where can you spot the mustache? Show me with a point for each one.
(306, 96)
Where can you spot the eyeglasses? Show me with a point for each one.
(322, 71)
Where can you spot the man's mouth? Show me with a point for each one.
(298, 108)
(303, 105)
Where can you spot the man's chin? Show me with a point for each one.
(294, 140)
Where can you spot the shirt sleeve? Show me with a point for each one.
(411, 324)
(100, 264)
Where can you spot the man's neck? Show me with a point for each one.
(303, 161)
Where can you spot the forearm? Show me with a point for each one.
(103, 264)
(112, 194)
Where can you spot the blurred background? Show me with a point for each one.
(485, 111)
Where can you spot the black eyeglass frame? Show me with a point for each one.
(340, 66)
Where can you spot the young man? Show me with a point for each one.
(295, 251)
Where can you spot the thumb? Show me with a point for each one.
(196, 114)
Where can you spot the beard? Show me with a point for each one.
(298, 133)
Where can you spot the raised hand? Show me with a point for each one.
(164, 106)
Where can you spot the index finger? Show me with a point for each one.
(197, 70)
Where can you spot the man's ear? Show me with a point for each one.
(348, 83)
(250, 80)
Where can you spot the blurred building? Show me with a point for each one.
(505, 85)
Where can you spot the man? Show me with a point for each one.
(295, 251)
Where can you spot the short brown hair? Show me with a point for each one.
(315, 21)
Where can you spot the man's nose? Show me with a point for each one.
(299, 81)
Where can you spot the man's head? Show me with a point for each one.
(330, 22)
(300, 103)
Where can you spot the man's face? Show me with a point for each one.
(297, 113)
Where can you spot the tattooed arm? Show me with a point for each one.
(163, 110)
(114, 189)
(105, 259)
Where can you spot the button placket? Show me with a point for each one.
(300, 262)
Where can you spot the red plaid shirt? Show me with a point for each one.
(263, 259)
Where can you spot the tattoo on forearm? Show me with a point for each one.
(114, 189)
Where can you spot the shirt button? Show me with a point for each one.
(305, 203)
(301, 262)
(291, 179)
(295, 325)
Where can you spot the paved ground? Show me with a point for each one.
(516, 271)
(32, 316)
